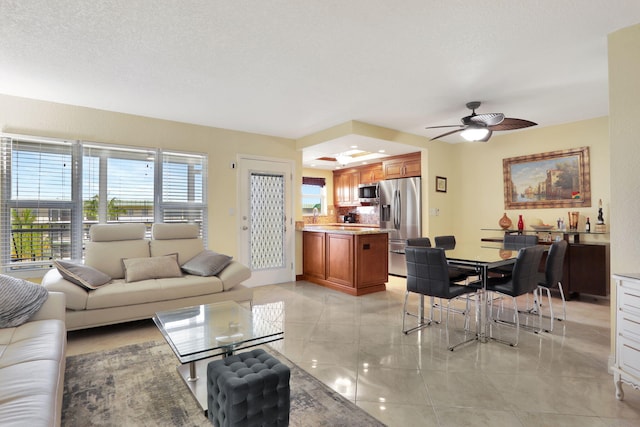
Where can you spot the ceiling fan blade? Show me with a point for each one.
(447, 133)
(489, 119)
(511, 124)
(445, 126)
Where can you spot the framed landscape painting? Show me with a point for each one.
(555, 179)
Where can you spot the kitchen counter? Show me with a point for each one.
(344, 228)
(349, 259)
(351, 224)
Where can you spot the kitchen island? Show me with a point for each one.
(347, 258)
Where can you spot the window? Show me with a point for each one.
(54, 190)
(183, 190)
(314, 196)
(117, 185)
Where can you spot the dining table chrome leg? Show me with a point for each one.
(481, 313)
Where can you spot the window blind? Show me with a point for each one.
(37, 202)
(52, 191)
(183, 198)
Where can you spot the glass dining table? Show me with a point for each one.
(481, 257)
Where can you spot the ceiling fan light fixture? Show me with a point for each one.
(343, 159)
(475, 132)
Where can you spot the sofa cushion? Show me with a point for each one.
(233, 274)
(185, 248)
(207, 263)
(75, 296)
(116, 232)
(163, 231)
(119, 293)
(82, 275)
(107, 256)
(20, 300)
(160, 267)
(32, 365)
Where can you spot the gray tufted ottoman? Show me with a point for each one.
(248, 389)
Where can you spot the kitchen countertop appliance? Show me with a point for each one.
(400, 212)
(350, 217)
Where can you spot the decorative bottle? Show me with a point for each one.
(520, 223)
(505, 222)
(587, 226)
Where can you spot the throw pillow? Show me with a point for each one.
(207, 263)
(20, 300)
(159, 267)
(82, 275)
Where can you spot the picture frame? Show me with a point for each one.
(555, 179)
(441, 184)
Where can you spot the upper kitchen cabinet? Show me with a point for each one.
(371, 173)
(345, 187)
(402, 166)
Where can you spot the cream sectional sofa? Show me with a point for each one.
(120, 300)
(32, 363)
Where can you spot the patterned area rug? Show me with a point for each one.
(138, 385)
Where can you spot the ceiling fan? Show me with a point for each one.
(480, 127)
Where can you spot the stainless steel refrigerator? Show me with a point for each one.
(400, 212)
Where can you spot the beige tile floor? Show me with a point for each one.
(355, 346)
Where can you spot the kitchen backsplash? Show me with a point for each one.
(364, 215)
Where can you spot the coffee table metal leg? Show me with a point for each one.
(193, 376)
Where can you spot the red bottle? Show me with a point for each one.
(520, 223)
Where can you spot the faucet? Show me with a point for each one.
(315, 215)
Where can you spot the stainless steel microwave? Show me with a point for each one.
(368, 193)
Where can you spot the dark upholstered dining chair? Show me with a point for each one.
(551, 278)
(513, 242)
(419, 241)
(449, 242)
(428, 275)
(445, 242)
(519, 241)
(523, 279)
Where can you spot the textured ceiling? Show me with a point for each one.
(292, 68)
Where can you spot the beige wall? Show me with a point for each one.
(30, 117)
(440, 159)
(624, 93)
(476, 189)
(474, 197)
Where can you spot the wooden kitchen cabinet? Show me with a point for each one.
(339, 259)
(371, 173)
(372, 263)
(355, 263)
(402, 166)
(345, 187)
(313, 243)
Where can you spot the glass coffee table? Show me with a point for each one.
(196, 334)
